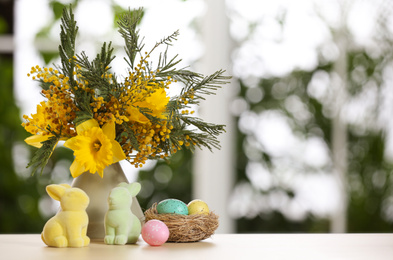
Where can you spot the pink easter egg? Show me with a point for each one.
(155, 232)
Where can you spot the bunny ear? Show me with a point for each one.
(56, 191)
(123, 184)
(134, 188)
(66, 185)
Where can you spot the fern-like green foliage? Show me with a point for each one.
(68, 32)
(128, 29)
(93, 71)
(42, 155)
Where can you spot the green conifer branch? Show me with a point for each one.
(127, 28)
(202, 140)
(68, 32)
(206, 86)
(93, 71)
(211, 129)
(167, 68)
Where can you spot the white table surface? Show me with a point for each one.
(218, 247)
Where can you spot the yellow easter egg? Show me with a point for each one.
(198, 207)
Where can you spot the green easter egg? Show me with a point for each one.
(172, 206)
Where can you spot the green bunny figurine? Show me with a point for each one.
(121, 225)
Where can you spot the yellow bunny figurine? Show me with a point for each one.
(68, 227)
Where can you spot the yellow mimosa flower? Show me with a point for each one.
(94, 148)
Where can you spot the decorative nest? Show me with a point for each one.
(185, 228)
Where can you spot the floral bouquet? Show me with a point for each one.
(104, 118)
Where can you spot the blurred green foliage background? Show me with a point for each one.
(369, 174)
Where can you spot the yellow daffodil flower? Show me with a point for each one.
(94, 148)
(156, 102)
(36, 140)
(38, 123)
(36, 128)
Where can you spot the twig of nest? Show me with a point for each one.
(185, 228)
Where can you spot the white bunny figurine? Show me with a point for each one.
(68, 227)
(121, 225)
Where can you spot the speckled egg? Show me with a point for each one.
(172, 206)
(155, 232)
(198, 207)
